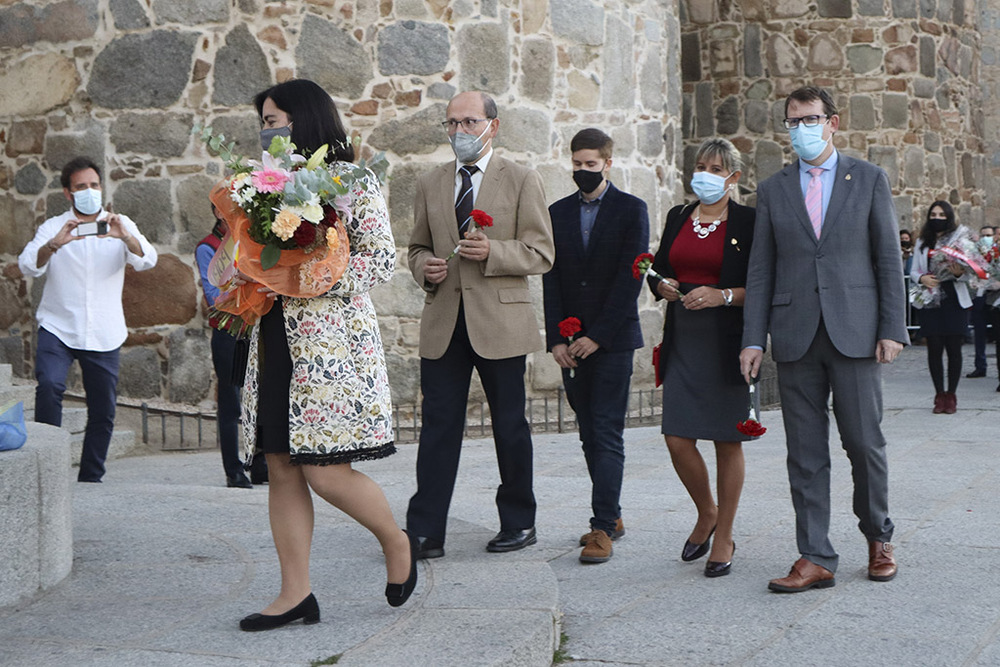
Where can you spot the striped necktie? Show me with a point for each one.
(814, 200)
(463, 204)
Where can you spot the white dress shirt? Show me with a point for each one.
(82, 300)
(477, 178)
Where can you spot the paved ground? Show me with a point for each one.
(167, 560)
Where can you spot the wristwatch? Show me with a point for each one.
(727, 296)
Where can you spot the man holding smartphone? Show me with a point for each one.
(83, 254)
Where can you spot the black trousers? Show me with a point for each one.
(445, 386)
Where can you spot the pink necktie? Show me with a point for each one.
(814, 200)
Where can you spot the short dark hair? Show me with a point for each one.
(927, 235)
(489, 106)
(808, 94)
(592, 139)
(77, 164)
(314, 116)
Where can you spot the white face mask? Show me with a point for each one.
(87, 201)
(467, 147)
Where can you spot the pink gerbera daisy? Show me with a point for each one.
(270, 180)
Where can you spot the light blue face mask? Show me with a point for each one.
(709, 188)
(808, 142)
(87, 202)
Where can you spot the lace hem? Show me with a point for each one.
(349, 456)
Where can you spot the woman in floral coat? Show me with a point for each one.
(316, 396)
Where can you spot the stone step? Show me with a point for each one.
(74, 420)
(25, 393)
(123, 443)
(6, 372)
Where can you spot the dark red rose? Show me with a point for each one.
(751, 427)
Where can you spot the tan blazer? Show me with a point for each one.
(498, 310)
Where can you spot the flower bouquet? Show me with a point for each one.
(991, 264)
(957, 248)
(568, 328)
(479, 220)
(751, 426)
(286, 215)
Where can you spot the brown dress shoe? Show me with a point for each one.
(598, 549)
(881, 563)
(615, 534)
(804, 575)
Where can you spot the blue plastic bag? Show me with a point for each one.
(13, 433)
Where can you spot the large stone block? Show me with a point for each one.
(88, 140)
(17, 224)
(67, 21)
(128, 14)
(30, 179)
(825, 53)
(537, 69)
(618, 58)
(752, 64)
(691, 56)
(727, 116)
(36, 534)
(783, 57)
(129, 72)
(787, 9)
(651, 81)
(862, 113)
(191, 13)
(241, 69)
(417, 134)
(242, 128)
(913, 167)
(401, 190)
(139, 373)
(159, 134)
(871, 8)
(148, 204)
(769, 158)
(904, 9)
(193, 207)
(584, 91)
(840, 9)
(404, 378)
(895, 110)
(524, 130)
(190, 365)
(413, 47)
(26, 137)
(579, 21)
(886, 157)
(484, 54)
(332, 58)
(43, 82)
(755, 116)
(400, 297)
(927, 64)
(12, 304)
(901, 60)
(702, 11)
(904, 211)
(704, 116)
(722, 57)
(863, 58)
(164, 294)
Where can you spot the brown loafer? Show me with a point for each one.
(881, 563)
(598, 549)
(804, 575)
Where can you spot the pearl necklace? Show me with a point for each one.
(704, 230)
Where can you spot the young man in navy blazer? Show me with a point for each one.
(598, 231)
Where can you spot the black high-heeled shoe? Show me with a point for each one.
(307, 610)
(397, 594)
(692, 551)
(714, 568)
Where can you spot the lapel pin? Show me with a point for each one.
(733, 241)
(847, 178)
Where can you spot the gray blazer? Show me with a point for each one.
(852, 276)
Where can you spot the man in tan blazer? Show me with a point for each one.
(477, 314)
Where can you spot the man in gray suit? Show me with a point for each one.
(826, 281)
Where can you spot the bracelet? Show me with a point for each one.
(727, 298)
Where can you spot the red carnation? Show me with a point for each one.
(751, 427)
(305, 234)
(481, 218)
(570, 327)
(641, 265)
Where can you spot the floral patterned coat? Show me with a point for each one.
(339, 403)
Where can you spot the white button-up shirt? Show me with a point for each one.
(82, 300)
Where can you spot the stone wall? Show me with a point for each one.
(905, 76)
(124, 81)
(989, 71)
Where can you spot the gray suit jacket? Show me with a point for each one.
(852, 276)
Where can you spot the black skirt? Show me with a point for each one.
(948, 319)
(274, 382)
(703, 397)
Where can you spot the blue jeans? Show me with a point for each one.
(100, 381)
(598, 394)
(227, 412)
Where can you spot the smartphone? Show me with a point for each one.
(92, 228)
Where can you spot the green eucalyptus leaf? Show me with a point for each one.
(269, 256)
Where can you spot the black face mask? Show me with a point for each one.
(588, 181)
(938, 225)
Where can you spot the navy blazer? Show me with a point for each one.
(735, 262)
(596, 285)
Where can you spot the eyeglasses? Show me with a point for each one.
(808, 121)
(468, 124)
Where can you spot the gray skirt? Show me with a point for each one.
(701, 397)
